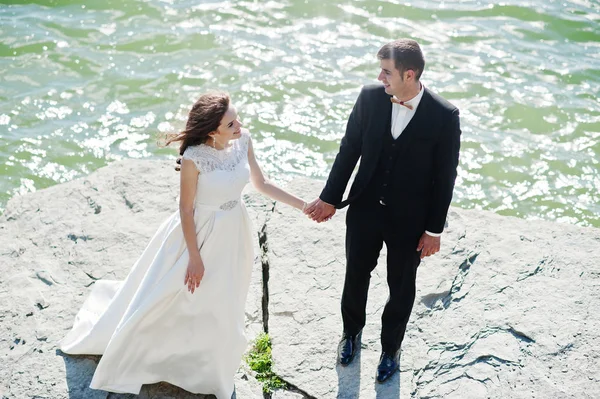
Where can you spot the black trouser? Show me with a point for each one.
(368, 226)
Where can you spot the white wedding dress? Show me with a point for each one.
(150, 328)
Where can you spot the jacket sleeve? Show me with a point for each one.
(347, 157)
(445, 164)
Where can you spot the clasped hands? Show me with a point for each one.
(319, 211)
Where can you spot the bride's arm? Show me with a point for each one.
(188, 182)
(267, 188)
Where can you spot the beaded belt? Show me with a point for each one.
(227, 206)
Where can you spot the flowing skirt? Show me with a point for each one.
(150, 328)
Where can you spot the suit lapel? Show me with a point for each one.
(384, 109)
(417, 122)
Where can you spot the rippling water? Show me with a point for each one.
(84, 83)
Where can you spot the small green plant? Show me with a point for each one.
(260, 361)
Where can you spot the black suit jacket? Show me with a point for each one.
(425, 171)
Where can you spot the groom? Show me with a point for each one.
(408, 140)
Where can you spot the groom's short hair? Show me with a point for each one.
(406, 54)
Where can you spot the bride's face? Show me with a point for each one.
(230, 127)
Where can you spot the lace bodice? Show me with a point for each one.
(223, 173)
(208, 159)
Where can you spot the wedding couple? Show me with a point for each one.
(179, 315)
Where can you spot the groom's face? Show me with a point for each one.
(391, 78)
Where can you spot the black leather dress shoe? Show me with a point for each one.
(388, 365)
(347, 348)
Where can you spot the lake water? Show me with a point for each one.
(85, 83)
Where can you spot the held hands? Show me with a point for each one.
(428, 245)
(319, 211)
(194, 273)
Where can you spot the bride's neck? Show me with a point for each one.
(221, 146)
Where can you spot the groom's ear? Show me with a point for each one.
(409, 74)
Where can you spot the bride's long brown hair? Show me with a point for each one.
(203, 119)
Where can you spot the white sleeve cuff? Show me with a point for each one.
(433, 234)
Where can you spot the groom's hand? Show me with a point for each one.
(428, 245)
(319, 211)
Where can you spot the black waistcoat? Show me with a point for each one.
(381, 186)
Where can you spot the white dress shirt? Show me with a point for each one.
(401, 116)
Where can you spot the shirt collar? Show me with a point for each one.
(416, 99)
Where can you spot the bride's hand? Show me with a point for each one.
(194, 274)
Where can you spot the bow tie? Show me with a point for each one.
(396, 101)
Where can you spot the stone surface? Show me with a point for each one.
(283, 394)
(55, 244)
(507, 309)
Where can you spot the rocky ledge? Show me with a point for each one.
(507, 309)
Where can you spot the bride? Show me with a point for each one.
(179, 315)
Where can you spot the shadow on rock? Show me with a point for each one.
(389, 389)
(80, 370)
(349, 379)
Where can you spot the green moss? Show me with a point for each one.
(260, 361)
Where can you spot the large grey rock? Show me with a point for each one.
(507, 309)
(59, 241)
